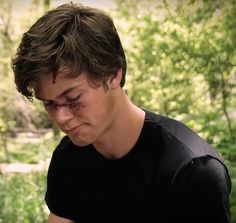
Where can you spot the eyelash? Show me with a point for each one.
(73, 99)
(70, 102)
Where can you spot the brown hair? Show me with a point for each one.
(72, 36)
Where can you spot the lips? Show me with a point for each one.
(75, 130)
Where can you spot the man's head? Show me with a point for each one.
(71, 39)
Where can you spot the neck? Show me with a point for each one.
(124, 132)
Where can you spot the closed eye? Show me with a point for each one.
(73, 99)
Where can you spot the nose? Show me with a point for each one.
(61, 115)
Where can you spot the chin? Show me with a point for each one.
(79, 141)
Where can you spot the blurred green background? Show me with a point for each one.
(181, 63)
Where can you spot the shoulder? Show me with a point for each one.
(206, 172)
(63, 148)
(63, 144)
(181, 146)
(170, 126)
(175, 133)
(178, 138)
(201, 189)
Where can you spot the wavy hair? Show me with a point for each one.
(69, 39)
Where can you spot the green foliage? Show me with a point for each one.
(22, 194)
(29, 150)
(181, 62)
(22, 198)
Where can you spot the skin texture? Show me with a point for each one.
(91, 115)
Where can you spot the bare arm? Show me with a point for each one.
(52, 218)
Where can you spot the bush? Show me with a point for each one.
(22, 198)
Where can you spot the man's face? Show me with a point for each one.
(84, 112)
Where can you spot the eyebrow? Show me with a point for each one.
(62, 94)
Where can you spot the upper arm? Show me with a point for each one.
(52, 218)
(202, 189)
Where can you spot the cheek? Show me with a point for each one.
(99, 110)
(88, 109)
(96, 108)
(105, 109)
(81, 111)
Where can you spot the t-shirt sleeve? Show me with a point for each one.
(201, 192)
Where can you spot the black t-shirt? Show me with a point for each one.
(170, 175)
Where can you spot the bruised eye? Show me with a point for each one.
(71, 103)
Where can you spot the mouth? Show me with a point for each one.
(75, 130)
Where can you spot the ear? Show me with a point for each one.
(114, 81)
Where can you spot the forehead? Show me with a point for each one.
(47, 88)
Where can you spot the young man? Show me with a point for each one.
(117, 162)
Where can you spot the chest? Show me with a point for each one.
(128, 186)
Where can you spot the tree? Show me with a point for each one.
(181, 61)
